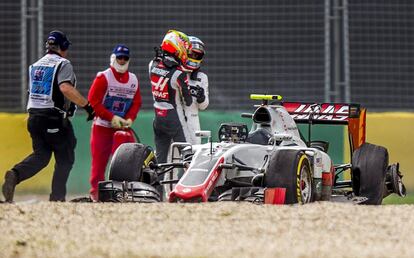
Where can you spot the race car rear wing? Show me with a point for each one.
(329, 113)
(352, 115)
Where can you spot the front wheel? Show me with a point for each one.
(129, 160)
(291, 170)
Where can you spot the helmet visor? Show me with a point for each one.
(196, 54)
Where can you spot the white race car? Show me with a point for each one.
(272, 163)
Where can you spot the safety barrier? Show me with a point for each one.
(392, 130)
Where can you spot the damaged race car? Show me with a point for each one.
(271, 163)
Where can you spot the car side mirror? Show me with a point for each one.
(203, 134)
(282, 137)
(276, 139)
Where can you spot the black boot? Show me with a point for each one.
(54, 199)
(10, 182)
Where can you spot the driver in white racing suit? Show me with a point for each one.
(198, 85)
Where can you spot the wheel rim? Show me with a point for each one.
(305, 184)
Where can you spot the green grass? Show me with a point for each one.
(395, 199)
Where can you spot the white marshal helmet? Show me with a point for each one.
(196, 54)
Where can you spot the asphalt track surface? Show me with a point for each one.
(43, 229)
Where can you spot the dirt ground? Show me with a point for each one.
(43, 229)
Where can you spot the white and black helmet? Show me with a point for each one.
(196, 54)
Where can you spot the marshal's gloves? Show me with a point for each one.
(117, 122)
(71, 110)
(128, 123)
(91, 113)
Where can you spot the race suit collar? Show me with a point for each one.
(170, 61)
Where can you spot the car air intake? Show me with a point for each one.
(261, 115)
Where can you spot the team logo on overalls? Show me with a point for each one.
(38, 75)
(118, 106)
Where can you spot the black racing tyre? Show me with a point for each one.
(369, 167)
(290, 169)
(128, 161)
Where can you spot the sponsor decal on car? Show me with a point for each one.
(323, 112)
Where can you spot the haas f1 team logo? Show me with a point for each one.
(159, 89)
(325, 112)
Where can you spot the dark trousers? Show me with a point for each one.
(166, 131)
(50, 133)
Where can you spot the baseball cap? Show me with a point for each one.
(121, 50)
(59, 38)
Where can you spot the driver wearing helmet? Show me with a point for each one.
(198, 85)
(169, 85)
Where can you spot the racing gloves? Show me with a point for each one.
(117, 122)
(91, 113)
(198, 93)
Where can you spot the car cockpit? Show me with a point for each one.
(261, 131)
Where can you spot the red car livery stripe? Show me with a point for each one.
(202, 191)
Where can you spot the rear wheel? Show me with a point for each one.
(369, 167)
(129, 160)
(290, 169)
